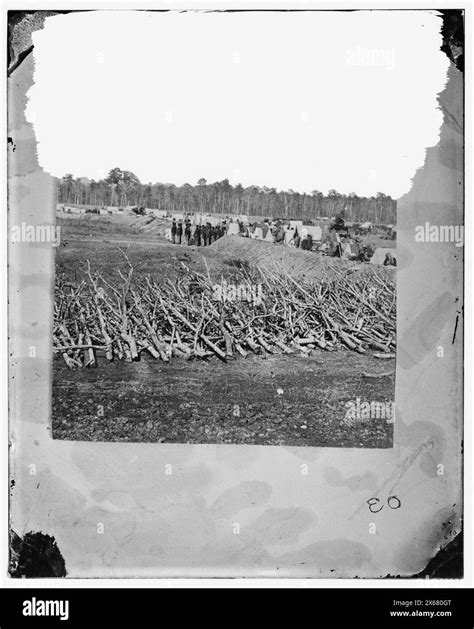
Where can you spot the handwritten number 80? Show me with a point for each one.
(392, 501)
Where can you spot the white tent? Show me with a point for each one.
(202, 219)
(380, 254)
(233, 229)
(289, 235)
(269, 236)
(366, 225)
(178, 217)
(295, 224)
(214, 220)
(314, 231)
(257, 234)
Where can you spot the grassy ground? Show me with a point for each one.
(290, 400)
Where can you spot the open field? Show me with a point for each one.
(212, 402)
(267, 399)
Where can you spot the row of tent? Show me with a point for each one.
(259, 231)
(282, 233)
(242, 218)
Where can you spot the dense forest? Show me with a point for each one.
(122, 188)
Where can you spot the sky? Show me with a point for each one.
(291, 100)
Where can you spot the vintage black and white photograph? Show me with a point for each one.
(226, 269)
(235, 229)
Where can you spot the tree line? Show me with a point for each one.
(123, 188)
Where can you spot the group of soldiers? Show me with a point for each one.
(199, 235)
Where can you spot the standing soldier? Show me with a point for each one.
(192, 227)
(187, 231)
(307, 243)
(179, 232)
(173, 232)
(207, 234)
(197, 235)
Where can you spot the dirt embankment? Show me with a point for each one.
(112, 226)
(294, 262)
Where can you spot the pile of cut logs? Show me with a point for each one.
(195, 317)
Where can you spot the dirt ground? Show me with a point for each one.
(277, 400)
(280, 400)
